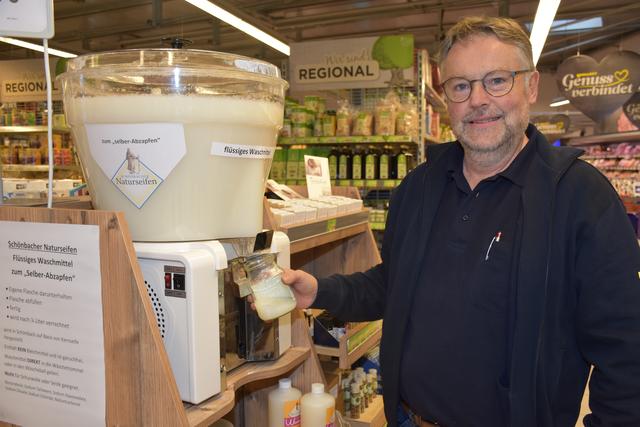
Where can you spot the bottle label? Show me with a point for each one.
(291, 411)
(370, 168)
(342, 168)
(402, 166)
(330, 418)
(384, 167)
(357, 167)
(333, 167)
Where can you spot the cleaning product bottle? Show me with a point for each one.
(318, 408)
(284, 405)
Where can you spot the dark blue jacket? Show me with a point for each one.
(578, 291)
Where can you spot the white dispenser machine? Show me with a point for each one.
(181, 141)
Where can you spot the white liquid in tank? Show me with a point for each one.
(205, 196)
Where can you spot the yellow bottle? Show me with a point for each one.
(284, 405)
(318, 408)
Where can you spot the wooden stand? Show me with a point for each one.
(140, 387)
(344, 250)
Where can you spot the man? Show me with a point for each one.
(509, 266)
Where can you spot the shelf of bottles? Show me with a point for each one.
(23, 138)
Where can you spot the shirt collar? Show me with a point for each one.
(515, 172)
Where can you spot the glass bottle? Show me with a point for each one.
(271, 297)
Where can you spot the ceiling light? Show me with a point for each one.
(541, 25)
(37, 47)
(558, 102)
(241, 25)
(572, 25)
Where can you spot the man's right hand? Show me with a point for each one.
(303, 285)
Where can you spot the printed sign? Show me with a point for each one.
(599, 89)
(555, 124)
(52, 341)
(632, 109)
(241, 151)
(317, 173)
(339, 64)
(24, 81)
(137, 158)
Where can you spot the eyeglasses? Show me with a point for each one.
(495, 83)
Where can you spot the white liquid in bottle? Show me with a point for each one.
(273, 298)
(318, 408)
(284, 405)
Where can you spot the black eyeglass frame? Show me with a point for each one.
(484, 86)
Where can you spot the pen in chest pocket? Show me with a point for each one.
(496, 239)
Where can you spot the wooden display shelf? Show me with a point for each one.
(373, 416)
(213, 409)
(140, 387)
(317, 233)
(345, 357)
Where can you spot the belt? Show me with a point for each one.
(417, 419)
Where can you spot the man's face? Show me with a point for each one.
(484, 123)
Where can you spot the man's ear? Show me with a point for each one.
(534, 79)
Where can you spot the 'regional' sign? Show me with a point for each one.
(599, 89)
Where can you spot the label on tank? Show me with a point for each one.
(137, 158)
(241, 151)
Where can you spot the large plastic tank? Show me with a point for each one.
(180, 140)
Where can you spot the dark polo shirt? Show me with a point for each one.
(457, 339)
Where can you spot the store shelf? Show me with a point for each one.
(607, 138)
(336, 140)
(611, 156)
(617, 169)
(311, 234)
(31, 129)
(373, 416)
(435, 99)
(39, 168)
(213, 409)
(358, 340)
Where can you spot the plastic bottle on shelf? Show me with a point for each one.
(318, 408)
(284, 405)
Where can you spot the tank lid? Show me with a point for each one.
(187, 59)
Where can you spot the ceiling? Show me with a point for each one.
(84, 26)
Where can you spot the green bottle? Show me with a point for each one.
(371, 164)
(383, 165)
(401, 165)
(333, 164)
(344, 164)
(356, 165)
